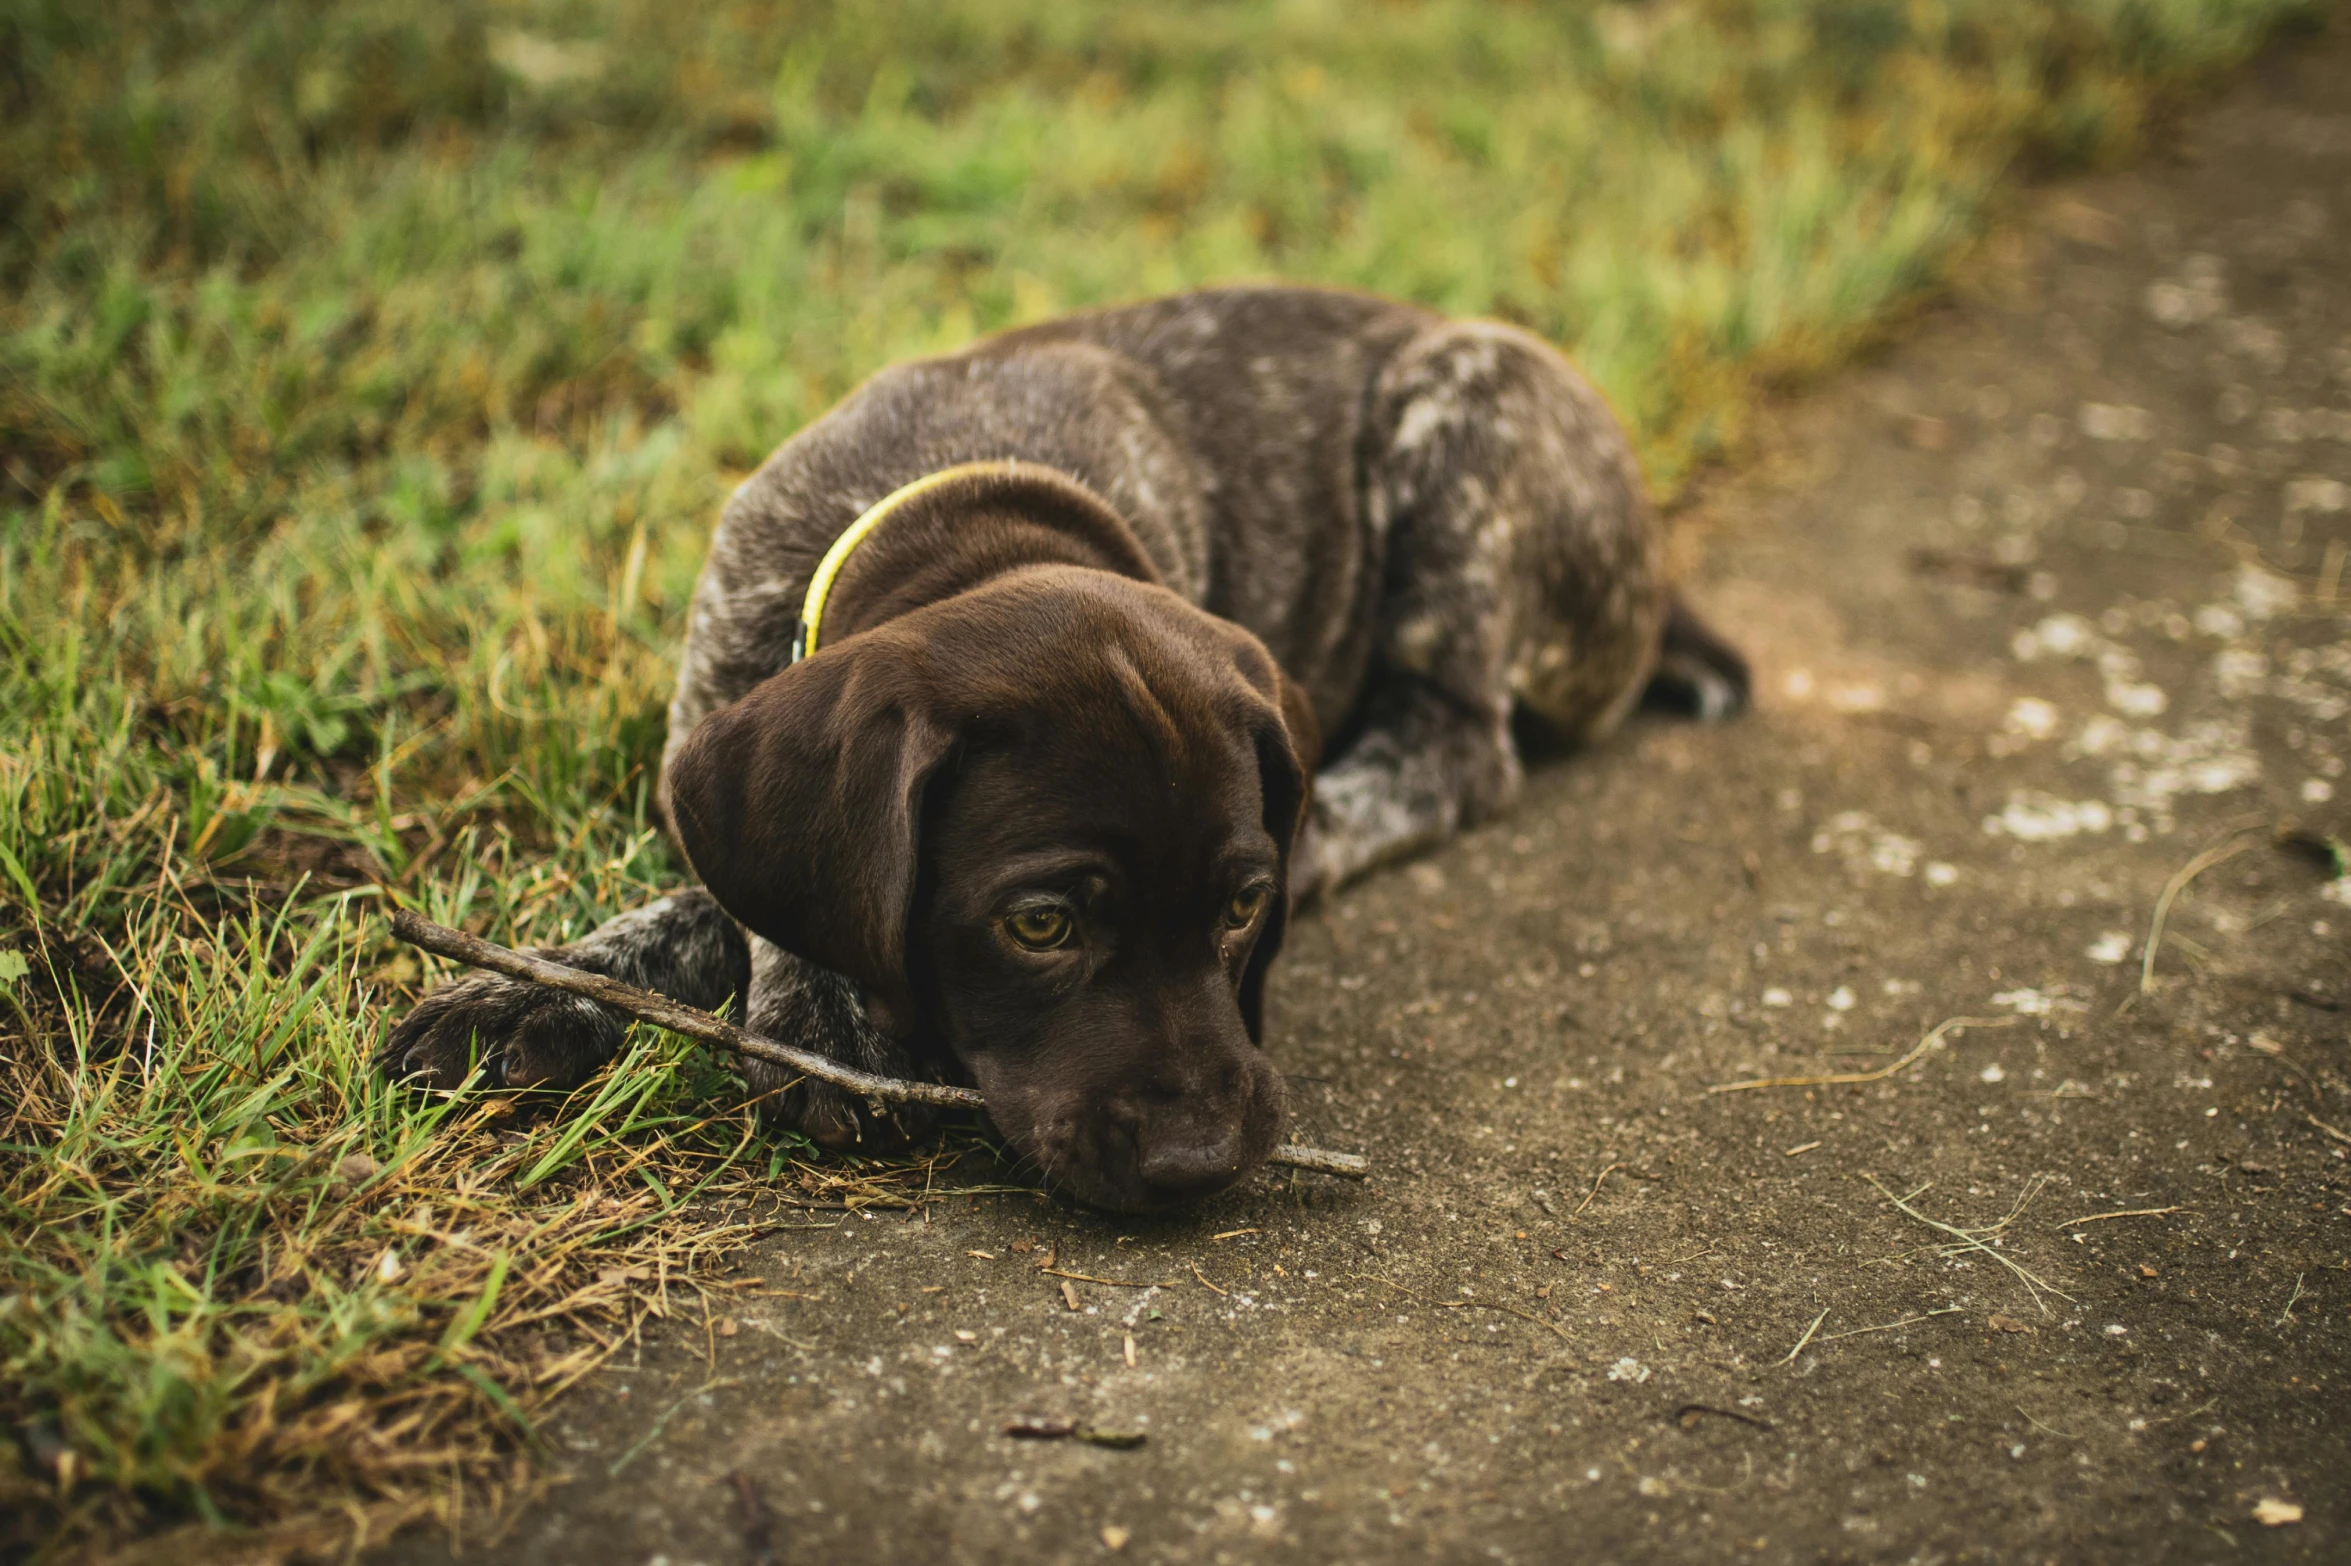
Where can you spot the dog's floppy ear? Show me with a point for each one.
(1287, 753)
(799, 806)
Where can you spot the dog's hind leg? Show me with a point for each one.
(1522, 568)
(683, 946)
(1422, 767)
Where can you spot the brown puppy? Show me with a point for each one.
(1046, 820)
(1033, 811)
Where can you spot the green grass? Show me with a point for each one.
(369, 377)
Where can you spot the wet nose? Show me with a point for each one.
(1183, 1161)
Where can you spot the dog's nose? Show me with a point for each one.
(1185, 1162)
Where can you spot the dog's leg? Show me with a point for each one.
(794, 1001)
(1422, 767)
(683, 946)
(1523, 568)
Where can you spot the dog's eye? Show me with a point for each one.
(1039, 929)
(1246, 905)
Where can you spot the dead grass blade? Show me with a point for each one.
(1979, 1239)
(1933, 1039)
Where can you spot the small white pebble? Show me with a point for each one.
(1841, 998)
(2111, 947)
(1993, 1073)
(1941, 874)
(2032, 718)
(1778, 997)
(2317, 791)
(2117, 1330)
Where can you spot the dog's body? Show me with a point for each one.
(1426, 524)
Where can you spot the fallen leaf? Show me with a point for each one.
(2000, 1323)
(1069, 1294)
(727, 1327)
(1114, 1537)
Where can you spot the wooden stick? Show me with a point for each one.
(418, 931)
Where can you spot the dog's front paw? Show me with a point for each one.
(797, 1003)
(521, 1035)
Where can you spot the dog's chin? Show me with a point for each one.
(1093, 1157)
(1122, 1191)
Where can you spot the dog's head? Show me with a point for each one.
(1046, 825)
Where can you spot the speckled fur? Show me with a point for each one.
(521, 1035)
(1427, 522)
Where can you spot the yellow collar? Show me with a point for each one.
(820, 586)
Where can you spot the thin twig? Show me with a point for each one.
(1551, 1327)
(2227, 849)
(1593, 1192)
(1807, 1338)
(758, 1521)
(1888, 1326)
(1838, 1079)
(2173, 1419)
(2135, 1212)
(1686, 1416)
(1114, 1283)
(418, 931)
(2329, 1130)
(2037, 1425)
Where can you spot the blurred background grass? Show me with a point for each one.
(370, 374)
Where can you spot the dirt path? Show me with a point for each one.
(2016, 676)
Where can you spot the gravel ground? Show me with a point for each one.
(2042, 607)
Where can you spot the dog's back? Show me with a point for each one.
(1227, 427)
